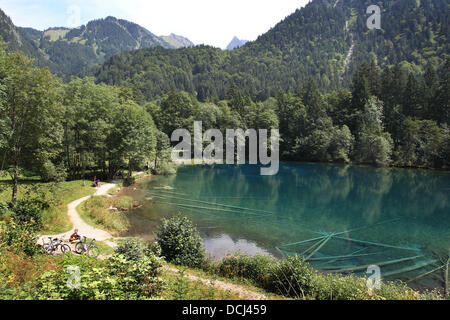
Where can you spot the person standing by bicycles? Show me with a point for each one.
(75, 237)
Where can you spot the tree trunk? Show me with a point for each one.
(15, 183)
(130, 170)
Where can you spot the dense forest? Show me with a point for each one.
(64, 130)
(322, 41)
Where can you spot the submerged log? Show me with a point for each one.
(302, 242)
(204, 208)
(212, 203)
(426, 274)
(313, 246)
(323, 243)
(380, 264)
(378, 244)
(416, 266)
(343, 257)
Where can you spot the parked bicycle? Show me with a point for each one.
(54, 245)
(90, 249)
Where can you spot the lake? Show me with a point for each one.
(341, 218)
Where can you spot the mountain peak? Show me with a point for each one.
(177, 41)
(111, 19)
(236, 43)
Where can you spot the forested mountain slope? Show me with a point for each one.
(327, 40)
(73, 51)
(18, 41)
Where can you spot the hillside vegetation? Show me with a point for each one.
(315, 41)
(69, 52)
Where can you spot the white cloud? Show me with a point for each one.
(212, 22)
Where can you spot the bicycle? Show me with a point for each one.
(90, 249)
(54, 244)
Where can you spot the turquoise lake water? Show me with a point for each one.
(342, 218)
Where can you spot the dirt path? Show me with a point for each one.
(242, 292)
(84, 229)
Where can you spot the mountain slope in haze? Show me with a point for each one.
(177, 41)
(326, 40)
(236, 43)
(71, 51)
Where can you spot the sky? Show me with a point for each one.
(212, 22)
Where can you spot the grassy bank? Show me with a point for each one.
(108, 214)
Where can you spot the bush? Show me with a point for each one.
(51, 173)
(19, 238)
(180, 242)
(137, 278)
(257, 269)
(116, 278)
(43, 195)
(29, 213)
(292, 277)
(5, 210)
(131, 249)
(153, 248)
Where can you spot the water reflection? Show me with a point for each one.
(219, 247)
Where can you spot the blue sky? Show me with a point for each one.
(212, 22)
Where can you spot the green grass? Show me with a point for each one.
(105, 250)
(56, 34)
(95, 212)
(55, 219)
(180, 287)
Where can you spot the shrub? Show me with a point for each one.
(135, 249)
(180, 242)
(137, 278)
(131, 249)
(292, 277)
(337, 287)
(18, 238)
(116, 278)
(257, 269)
(153, 248)
(29, 213)
(5, 210)
(43, 195)
(51, 173)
